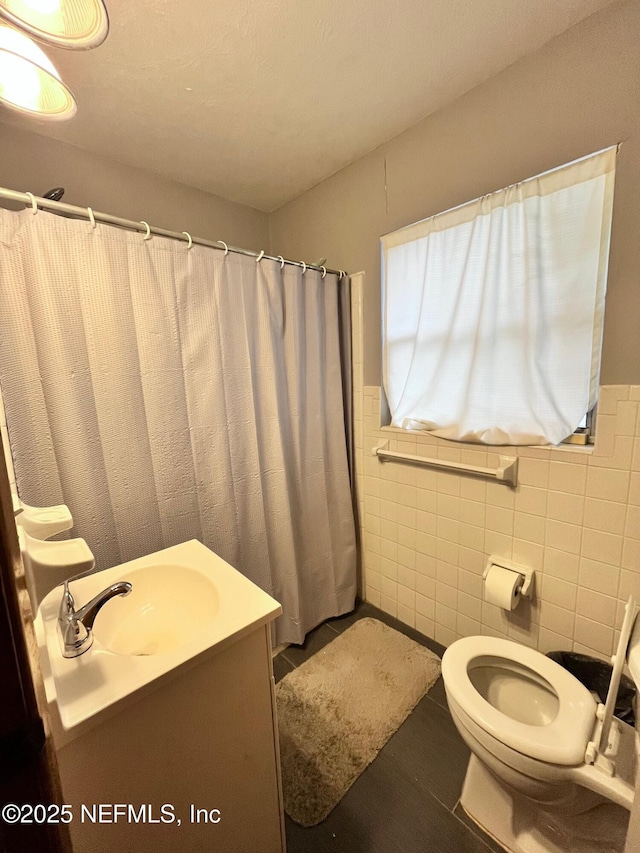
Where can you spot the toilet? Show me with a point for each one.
(551, 769)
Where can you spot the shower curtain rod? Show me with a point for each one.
(93, 216)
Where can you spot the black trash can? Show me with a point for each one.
(595, 674)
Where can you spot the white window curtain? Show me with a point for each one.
(493, 311)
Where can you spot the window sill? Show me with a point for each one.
(580, 449)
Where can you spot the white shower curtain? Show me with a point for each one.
(167, 393)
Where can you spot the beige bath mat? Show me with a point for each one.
(339, 708)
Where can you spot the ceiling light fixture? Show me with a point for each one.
(29, 82)
(74, 24)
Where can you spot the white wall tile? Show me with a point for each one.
(632, 525)
(498, 544)
(528, 554)
(631, 555)
(374, 597)
(594, 635)
(426, 500)
(626, 417)
(600, 577)
(447, 572)
(389, 588)
(597, 607)
(499, 520)
(389, 605)
(533, 472)
(565, 507)
(561, 564)
(567, 477)
(406, 536)
(623, 448)
(473, 488)
(447, 595)
(574, 518)
(446, 616)
(498, 494)
(470, 583)
(426, 587)
(425, 626)
(425, 565)
(532, 500)
(447, 528)
(467, 627)
(609, 397)
(559, 592)
(406, 558)
(560, 620)
(563, 536)
(470, 560)
(608, 484)
(406, 615)
(471, 536)
(406, 597)
(549, 641)
(470, 606)
(445, 636)
(472, 512)
(406, 579)
(531, 528)
(604, 547)
(607, 516)
(629, 585)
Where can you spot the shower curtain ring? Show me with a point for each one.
(147, 236)
(342, 273)
(324, 271)
(226, 248)
(260, 256)
(34, 206)
(281, 259)
(92, 218)
(186, 234)
(304, 267)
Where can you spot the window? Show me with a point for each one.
(493, 311)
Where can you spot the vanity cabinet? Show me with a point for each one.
(191, 764)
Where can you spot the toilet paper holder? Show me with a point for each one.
(528, 574)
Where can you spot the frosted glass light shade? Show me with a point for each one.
(75, 24)
(29, 82)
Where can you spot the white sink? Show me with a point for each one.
(168, 607)
(186, 602)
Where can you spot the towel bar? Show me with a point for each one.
(506, 472)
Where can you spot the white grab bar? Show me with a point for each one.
(506, 472)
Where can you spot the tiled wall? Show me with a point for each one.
(574, 517)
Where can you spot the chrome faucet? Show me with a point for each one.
(75, 626)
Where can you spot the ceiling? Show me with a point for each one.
(259, 100)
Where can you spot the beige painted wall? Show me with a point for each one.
(33, 163)
(577, 94)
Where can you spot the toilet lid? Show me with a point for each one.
(563, 740)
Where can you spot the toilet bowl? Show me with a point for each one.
(540, 742)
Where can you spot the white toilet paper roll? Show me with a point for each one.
(502, 587)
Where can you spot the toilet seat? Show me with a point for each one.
(563, 741)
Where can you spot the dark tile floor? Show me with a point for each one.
(406, 801)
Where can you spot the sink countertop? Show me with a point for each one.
(84, 690)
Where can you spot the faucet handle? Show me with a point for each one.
(77, 577)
